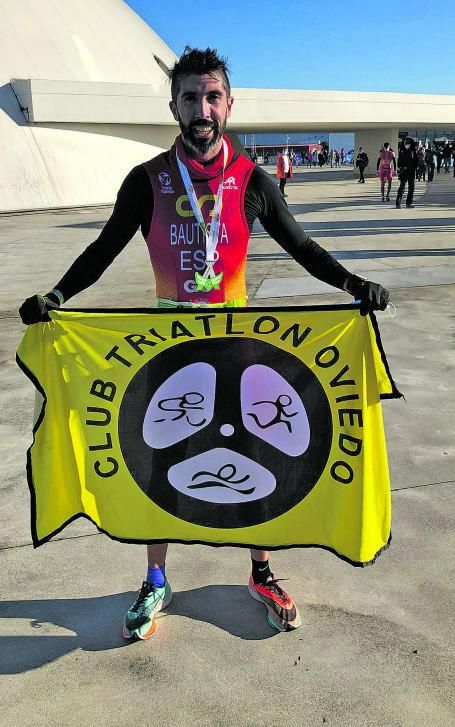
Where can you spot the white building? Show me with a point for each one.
(83, 100)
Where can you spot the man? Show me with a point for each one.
(283, 170)
(362, 163)
(407, 164)
(429, 162)
(439, 158)
(151, 196)
(446, 156)
(386, 167)
(421, 164)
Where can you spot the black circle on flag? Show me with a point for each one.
(225, 432)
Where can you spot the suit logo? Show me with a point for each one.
(230, 183)
(166, 183)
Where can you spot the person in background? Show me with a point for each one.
(386, 167)
(407, 164)
(283, 170)
(421, 164)
(429, 161)
(362, 163)
(439, 158)
(342, 155)
(446, 156)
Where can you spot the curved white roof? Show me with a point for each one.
(83, 100)
(78, 40)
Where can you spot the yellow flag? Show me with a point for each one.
(254, 427)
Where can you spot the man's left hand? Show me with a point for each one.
(372, 296)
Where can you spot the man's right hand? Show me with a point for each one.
(36, 309)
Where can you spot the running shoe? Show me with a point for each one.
(140, 621)
(282, 613)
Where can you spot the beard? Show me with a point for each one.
(195, 144)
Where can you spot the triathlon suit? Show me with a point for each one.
(153, 197)
(176, 242)
(385, 165)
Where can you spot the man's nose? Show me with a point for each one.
(204, 108)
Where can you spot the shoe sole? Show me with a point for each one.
(271, 615)
(136, 635)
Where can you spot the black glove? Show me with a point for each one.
(372, 296)
(36, 309)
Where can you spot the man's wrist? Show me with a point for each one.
(353, 284)
(56, 296)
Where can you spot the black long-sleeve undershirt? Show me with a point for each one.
(134, 209)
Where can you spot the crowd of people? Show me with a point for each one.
(415, 161)
(324, 156)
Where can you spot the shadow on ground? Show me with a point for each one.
(96, 623)
(362, 254)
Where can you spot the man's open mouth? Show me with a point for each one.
(202, 132)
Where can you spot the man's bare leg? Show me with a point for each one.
(156, 554)
(262, 555)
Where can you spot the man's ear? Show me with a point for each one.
(230, 102)
(173, 107)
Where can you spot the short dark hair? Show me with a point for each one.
(198, 62)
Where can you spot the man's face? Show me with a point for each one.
(202, 109)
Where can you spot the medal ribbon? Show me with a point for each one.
(208, 280)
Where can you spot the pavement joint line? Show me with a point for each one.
(425, 484)
(92, 535)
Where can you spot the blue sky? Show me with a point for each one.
(352, 45)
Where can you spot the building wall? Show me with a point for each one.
(64, 165)
(53, 165)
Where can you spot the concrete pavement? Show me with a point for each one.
(377, 644)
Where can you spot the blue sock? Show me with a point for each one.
(156, 576)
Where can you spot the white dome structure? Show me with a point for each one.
(82, 100)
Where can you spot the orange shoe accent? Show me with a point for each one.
(148, 633)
